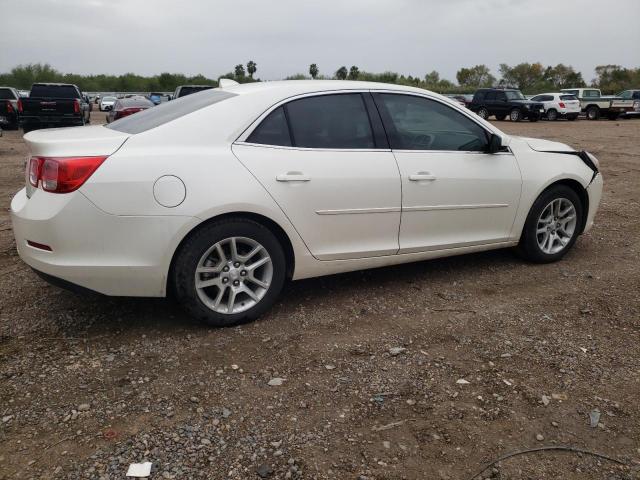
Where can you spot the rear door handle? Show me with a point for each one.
(422, 176)
(293, 177)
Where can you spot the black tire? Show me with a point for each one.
(515, 115)
(500, 117)
(593, 113)
(190, 253)
(528, 247)
(483, 113)
(552, 114)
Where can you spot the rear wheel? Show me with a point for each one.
(483, 113)
(552, 226)
(229, 272)
(515, 115)
(593, 113)
(552, 114)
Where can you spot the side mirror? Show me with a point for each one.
(495, 143)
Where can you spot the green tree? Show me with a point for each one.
(525, 76)
(475, 77)
(354, 72)
(562, 76)
(341, 73)
(313, 70)
(239, 72)
(252, 67)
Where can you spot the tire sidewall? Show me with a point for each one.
(529, 242)
(483, 113)
(191, 252)
(552, 114)
(517, 113)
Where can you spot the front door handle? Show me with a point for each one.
(422, 176)
(293, 177)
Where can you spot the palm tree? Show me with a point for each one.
(239, 71)
(354, 72)
(313, 70)
(251, 68)
(341, 73)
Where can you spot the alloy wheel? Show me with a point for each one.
(556, 226)
(233, 275)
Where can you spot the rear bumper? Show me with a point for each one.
(594, 190)
(109, 254)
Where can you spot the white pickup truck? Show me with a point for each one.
(627, 103)
(592, 103)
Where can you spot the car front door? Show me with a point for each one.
(454, 194)
(326, 162)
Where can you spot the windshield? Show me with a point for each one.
(514, 95)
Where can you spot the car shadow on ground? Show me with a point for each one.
(89, 315)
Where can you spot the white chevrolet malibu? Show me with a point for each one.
(221, 196)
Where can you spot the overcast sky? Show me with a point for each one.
(284, 36)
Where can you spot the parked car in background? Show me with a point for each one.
(106, 103)
(9, 97)
(461, 99)
(627, 103)
(184, 90)
(158, 98)
(221, 197)
(53, 105)
(592, 103)
(559, 105)
(503, 103)
(128, 106)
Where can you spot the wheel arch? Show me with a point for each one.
(265, 221)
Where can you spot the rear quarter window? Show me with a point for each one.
(169, 111)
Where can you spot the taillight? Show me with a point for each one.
(62, 174)
(76, 106)
(127, 111)
(20, 106)
(561, 104)
(9, 107)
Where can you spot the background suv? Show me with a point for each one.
(503, 102)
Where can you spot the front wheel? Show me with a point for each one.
(229, 272)
(483, 113)
(593, 113)
(552, 226)
(515, 115)
(552, 114)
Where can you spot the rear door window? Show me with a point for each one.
(330, 121)
(167, 112)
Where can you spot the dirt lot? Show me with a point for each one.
(89, 384)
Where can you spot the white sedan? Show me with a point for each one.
(221, 196)
(559, 105)
(107, 103)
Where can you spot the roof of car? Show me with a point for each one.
(314, 86)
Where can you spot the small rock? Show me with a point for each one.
(330, 367)
(411, 402)
(395, 351)
(462, 381)
(6, 418)
(386, 444)
(226, 413)
(594, 418)
(275, 382)
(539, 437)
(205, 441)
(264, 471)
(84, 407)
(545, 400)
(234, 367)
(559, 396)
(194, 399)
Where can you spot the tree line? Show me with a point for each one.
(529, 77)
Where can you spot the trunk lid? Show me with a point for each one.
(74, 141)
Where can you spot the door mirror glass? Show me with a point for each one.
(495, 143)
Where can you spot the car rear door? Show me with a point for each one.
(325, 161)
(454, 194)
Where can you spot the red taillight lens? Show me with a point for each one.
(20, 106)
(127, 111)
(62, 174)
(76, 106)
(9, 107)
(561, 104)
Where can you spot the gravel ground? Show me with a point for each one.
(424, 371)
